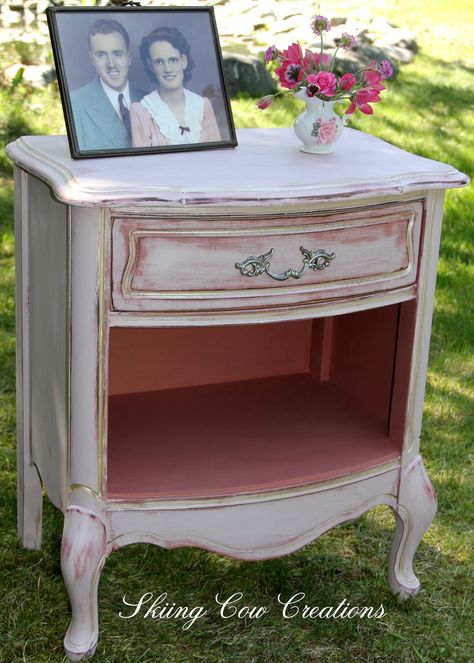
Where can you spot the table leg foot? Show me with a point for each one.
(414, 513)
(83, 554)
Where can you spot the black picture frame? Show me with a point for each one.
(102, 67)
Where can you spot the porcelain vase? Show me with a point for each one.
(318, 126)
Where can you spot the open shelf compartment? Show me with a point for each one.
(215, 411)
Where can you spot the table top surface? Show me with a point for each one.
(265, 168)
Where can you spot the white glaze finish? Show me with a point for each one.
(254, 529)
(267, 161)
(48, 254)
(248, 526)
(83, 554)
(29, 486)
(414, 511)
(421, 346)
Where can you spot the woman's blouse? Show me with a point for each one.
(154, 123)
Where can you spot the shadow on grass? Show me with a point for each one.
(432, 116)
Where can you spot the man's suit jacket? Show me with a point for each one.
(98, 126)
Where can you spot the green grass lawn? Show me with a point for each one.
(428, 109)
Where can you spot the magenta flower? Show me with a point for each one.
(362, 99)
(290, 74)
(372, 78)
(312, 90)
(313, 63)
(312, 73)
(320, 24)
(271, 54)
(386, 69)
(325, 81)
(348, 81)
(327, 132)
(265, 101)
(347, 41)
(368, 94)
(293, 53)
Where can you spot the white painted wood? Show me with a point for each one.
(414, 511)
(266, 166)
(29, 485)
(421, 344)
(48, 336)
(245, 316)
(86, 434)
(83, 553)
(257, 190)
(254, 528)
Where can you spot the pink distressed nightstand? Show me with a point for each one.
(224, 349)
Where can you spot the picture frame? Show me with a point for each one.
(139, 80)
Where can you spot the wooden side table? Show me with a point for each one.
(224, 349)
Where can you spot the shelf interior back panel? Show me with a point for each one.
(239, 437)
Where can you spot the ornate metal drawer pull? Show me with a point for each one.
(256, 265)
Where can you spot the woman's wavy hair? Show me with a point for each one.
(176, 39)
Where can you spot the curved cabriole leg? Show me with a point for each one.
(414, 514)
(83, 553)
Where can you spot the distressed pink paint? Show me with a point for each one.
(81, 560)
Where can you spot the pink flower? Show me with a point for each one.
(290, 74)
(347, 41)
(312, 61)
(293, 54)
(362, 99)
(325, 81)
(327, 132)
(312, 90)
(265, 101)
(347, 81)
(368, 94)
(271, 53)
(373, 77)
(386, 69)
(320, 24)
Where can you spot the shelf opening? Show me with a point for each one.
(215, 411)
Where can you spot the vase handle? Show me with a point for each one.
(256, 265)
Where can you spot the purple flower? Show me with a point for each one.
(320, 24)
(386, 69)
(347, 41)
(271, 53)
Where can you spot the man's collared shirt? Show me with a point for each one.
(113, 96)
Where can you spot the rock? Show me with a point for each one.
(36, 75)
(246, 73)
(245, 29)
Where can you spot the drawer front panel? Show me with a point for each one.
(162, 265)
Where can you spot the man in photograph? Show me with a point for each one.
(101, 108)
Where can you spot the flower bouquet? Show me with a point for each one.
(310, 76)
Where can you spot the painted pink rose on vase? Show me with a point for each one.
(327, 131)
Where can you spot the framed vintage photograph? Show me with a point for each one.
(136, 80)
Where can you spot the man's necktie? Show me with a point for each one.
(124, 112)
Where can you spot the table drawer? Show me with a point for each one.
(162, 264)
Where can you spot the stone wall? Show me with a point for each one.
(246, 28)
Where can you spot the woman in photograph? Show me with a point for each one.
(171, 114)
